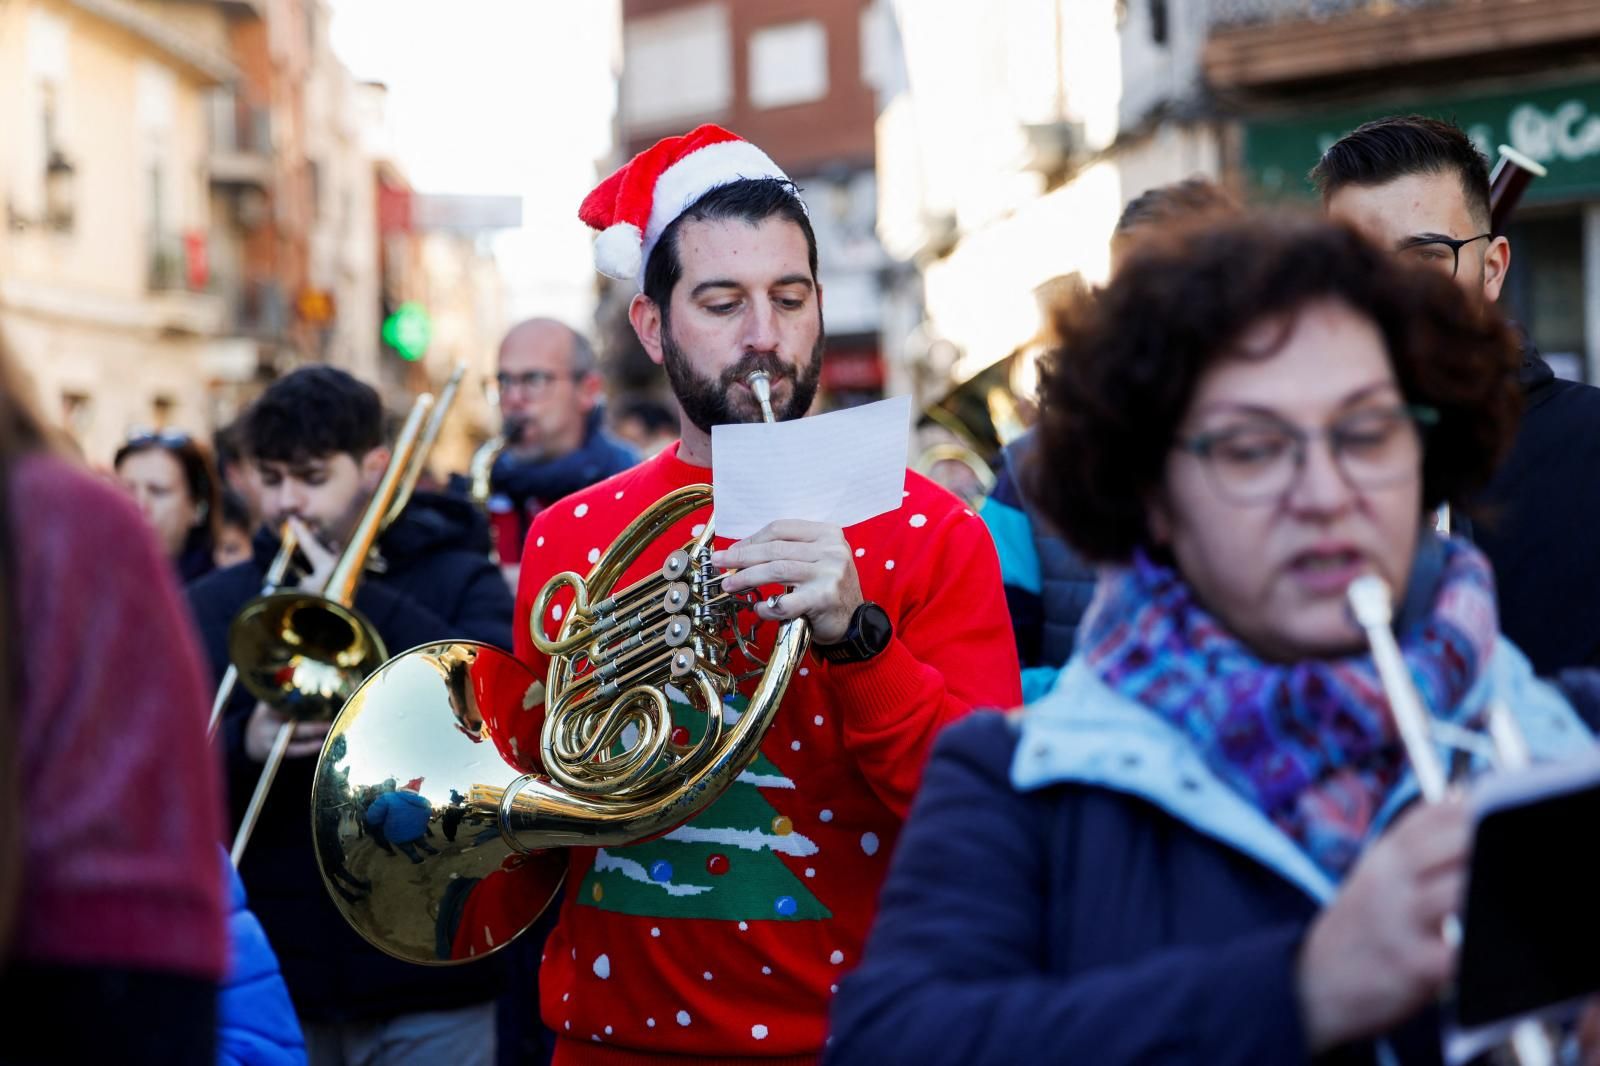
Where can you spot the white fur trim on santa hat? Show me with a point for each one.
(617, 253)
(696, 174)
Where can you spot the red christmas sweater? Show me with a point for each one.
(726, 938)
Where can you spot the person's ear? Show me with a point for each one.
(373, 464)
(1496, 262)
(591, 387)
(645, 317)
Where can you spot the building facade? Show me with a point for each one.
(796, 78)
(105, 284)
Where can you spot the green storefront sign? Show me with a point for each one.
(1557, 125)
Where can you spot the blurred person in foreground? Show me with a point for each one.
(553, 422)
(1200, 847)
(112, 937)
(170, 477)
(1420, 187)
(316, 437)
(1048, 585)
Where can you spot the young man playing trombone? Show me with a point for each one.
(316, 439)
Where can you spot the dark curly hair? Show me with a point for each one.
(1112, 397)
(313, 412)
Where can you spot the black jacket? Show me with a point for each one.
(438, 583)
(1536, 522)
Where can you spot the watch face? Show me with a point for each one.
(876, 629)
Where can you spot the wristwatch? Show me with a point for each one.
(868, 635)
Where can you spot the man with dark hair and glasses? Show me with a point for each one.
(1420, 187)
(551, 415)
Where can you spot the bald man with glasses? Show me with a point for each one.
(551, 415)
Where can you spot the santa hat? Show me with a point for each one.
(635, 205)
(414, 785)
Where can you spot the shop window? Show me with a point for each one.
(1544, 290)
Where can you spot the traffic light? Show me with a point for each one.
(408, 330)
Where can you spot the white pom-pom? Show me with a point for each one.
(619, 251)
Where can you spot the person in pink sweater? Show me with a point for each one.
(724, 939)
(112, 936)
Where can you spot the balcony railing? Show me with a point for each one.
(1284, 44)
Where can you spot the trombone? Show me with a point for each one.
(1372, 605)
(304, 653)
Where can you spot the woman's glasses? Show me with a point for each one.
(1263, 458)
(172, 438)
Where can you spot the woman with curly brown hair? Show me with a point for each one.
(1200, 848)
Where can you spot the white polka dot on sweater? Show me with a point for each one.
(655, 930)
(707, 975)
(594, 555)
(860, 552)
(817, 720)
(758, 1031)
(811, 871)
(580, 510)
(744, 926)
(539, 543)
(889, 565)
(608, 1030)
(805, 671)
(569, 1025)
(826, 816)
(683, 1017)
(869, 843)
(619, 495)
(651, 1022)
(555, 612)
(766, 969)
(836, 958)
(602, 967)
(918, 521)
(794, 745)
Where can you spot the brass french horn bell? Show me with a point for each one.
(508, 769)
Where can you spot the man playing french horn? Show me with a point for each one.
(726, 936)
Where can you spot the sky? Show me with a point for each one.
(505, 97)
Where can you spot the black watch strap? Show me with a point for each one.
(868, 635)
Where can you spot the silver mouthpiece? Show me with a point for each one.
(761, 388)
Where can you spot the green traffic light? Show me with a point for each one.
(408, 331)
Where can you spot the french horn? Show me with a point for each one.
(631, 733)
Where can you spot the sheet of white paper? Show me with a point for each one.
(840, 468)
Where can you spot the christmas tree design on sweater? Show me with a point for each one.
(724, 864)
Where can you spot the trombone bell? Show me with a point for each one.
(303, 654)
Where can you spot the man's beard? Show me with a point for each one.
(708, 402)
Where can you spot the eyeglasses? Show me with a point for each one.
(532, 380)
(1437, 253)
(172, 438)
(1263, 459)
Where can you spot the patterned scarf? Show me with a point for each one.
(1311, 744)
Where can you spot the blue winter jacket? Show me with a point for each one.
(257, 1026)
(1048, 587)
(1074, 885)
(402, 815)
